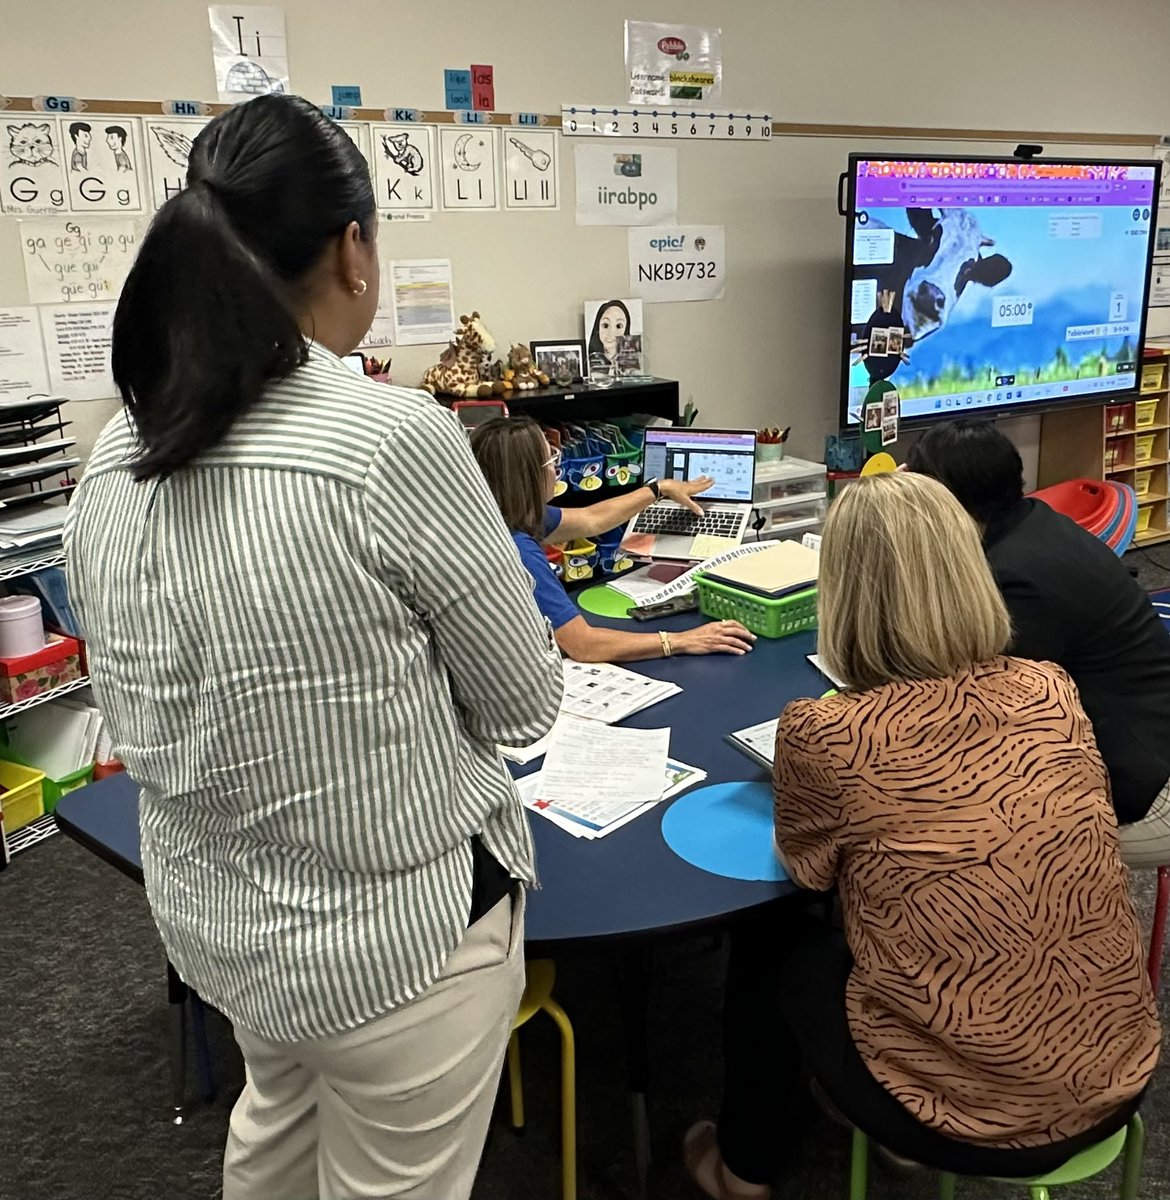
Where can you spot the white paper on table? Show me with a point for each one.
(603, 692)
(816, 661)
(591, 770)
(638, 585)
(687, 582)
(678, 777)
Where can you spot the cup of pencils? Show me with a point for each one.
(770, 443)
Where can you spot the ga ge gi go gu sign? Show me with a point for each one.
(677, 262)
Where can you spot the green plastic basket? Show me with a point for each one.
(768, 618)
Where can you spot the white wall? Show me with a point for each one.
(769, 351)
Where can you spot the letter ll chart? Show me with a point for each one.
(679, 124)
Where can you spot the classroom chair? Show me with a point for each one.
(1089, 1163)
(537, 997)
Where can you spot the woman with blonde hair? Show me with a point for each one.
(986, 1010)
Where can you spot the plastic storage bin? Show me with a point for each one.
(1143, 447)
(768, 618)
(22, 800)
(53, 789)
(1144, 512)
(1142, 481)
(1146, 413)
(1153, 376)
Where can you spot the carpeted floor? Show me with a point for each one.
(84, 1087)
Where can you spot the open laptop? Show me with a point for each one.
(666, 529)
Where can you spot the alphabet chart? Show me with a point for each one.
(681, 124)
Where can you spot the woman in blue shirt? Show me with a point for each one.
(521, 470)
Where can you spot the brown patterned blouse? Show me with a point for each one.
(998, 989)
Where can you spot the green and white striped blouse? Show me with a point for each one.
(308, 644)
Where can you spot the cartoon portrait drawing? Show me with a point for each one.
(611, 323)
(116, 140)
(31, 145)
(82, 136)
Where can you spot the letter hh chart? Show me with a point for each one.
(665, 121)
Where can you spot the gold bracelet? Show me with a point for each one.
(666, 650)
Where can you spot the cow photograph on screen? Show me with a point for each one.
(995, 284)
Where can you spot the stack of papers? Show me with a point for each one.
(596, 779)
(779, 569)
(58, 738)
(31, 525)
(600, 692)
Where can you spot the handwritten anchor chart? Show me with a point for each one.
(72, 259)
(531, 169)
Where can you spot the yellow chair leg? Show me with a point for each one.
(515, 1080)
(568, 1100)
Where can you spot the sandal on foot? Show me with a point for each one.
(706, 1168)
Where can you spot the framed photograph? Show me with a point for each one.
(873, 416)
(562, 361)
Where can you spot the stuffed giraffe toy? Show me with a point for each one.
(459, 371)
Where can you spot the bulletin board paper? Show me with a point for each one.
(77, 344)
(32, 162)
(424, 305)
(249, 50)
(77, 259)
(532, 169)
(469, 158)
(404, 167)
(677, 262)
(168, 146)
(675, 64)
(105, 165)
(626, 185)
(23, 370)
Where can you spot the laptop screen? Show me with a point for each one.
(727, 455)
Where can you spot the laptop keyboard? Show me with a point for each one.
(681, 521)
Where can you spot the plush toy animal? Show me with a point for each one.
(525, 373)
(459, 371)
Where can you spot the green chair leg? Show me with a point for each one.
(858, 1177)
(1040, 1192)
(946, 1186)
(1135, 1147)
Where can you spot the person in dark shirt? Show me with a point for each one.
(1073, 602)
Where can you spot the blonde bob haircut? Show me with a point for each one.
(904, 589)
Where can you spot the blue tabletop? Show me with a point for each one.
(629, 884)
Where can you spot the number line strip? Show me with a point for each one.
(20, 105)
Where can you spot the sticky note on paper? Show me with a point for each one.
(347, 94)
(457, 86)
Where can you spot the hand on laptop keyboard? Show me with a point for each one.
(678, 521)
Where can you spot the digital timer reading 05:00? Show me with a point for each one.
(1011, 310)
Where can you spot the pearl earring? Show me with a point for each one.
(360, 290)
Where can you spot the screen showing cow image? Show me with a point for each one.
(995, 284)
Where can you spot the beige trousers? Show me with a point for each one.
(397, 1108)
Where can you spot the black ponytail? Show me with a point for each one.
(208, 313)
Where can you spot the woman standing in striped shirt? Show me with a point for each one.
(308, 629)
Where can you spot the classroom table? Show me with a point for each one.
(620, 893)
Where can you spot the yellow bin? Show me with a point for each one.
(21, 799)
(1144, 447)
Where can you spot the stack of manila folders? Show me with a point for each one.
(596, 778)
(60, 737)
